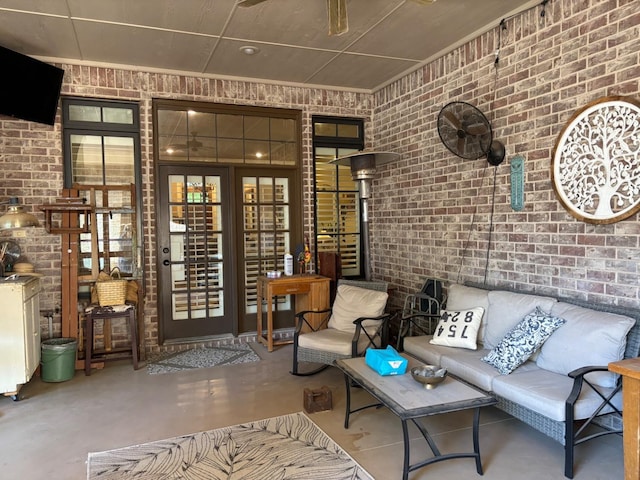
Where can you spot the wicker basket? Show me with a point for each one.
(112, 291)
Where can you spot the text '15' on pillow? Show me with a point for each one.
(458, 328)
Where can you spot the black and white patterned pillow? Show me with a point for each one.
(522, 341)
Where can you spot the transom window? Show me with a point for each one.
(223, 134)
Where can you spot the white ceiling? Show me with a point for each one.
(386, 38)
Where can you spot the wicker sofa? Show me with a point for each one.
(564, 387)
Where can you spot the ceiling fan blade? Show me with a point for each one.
(337, 13)
(461, 146)
(249, 3)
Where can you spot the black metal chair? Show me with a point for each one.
(421, 311)
(319, 343)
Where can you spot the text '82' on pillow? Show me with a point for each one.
(458, 328)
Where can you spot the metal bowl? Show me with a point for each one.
(429, 375)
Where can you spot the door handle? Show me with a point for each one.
(166, 263)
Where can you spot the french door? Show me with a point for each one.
(212, 250)
(194, 252)
(268, 199)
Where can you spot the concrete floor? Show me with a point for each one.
(48, 434)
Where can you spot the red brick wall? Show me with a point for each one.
(31, 164)
(424, 205)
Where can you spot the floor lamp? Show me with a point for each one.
(363, 168)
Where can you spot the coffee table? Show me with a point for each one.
(410, 400)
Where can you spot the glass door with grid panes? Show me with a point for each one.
(195, 252)
(267, 203)
(229, 208)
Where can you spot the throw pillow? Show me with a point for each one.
(461, 297)
(522, 341)
(506, 309)
(352, 303)
(458, 328)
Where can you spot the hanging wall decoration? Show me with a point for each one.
(595, 167)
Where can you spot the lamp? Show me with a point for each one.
(15, 217)
(363, 168)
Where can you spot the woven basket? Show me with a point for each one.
(112, 291)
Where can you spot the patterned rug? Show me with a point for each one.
(280, 448)
(202, 358)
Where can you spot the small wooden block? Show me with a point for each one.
(317, 400)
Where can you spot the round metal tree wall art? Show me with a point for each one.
(596, 161)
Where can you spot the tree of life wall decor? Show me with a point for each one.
(595, 167)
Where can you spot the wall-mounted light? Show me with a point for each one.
(16, 217)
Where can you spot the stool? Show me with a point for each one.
(95, 312)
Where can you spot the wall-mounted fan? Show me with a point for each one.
(336, 11)
(467, 133)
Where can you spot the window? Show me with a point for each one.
(336, 194)
(102, 165)
(225, 135)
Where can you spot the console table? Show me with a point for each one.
(311, 291)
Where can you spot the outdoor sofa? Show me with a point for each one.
(544, 358)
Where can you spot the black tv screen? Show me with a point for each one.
(29, 88)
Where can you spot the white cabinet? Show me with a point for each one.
(19, 332)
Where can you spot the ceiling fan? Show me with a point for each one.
(192, 144)
(336, 11)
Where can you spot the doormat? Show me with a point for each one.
(286, 447)
(203, 358)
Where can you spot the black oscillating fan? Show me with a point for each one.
(467, 133)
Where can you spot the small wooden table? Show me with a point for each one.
(311, 291)
(630, 371)
(409, 400)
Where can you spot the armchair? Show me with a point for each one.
(355, 322)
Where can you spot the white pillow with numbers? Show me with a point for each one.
(458, 328)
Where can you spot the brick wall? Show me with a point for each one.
(423, 206)
(431, 204)
(31, 164)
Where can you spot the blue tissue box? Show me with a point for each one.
(386, 361)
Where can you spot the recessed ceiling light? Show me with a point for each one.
(249, 50)
(169, 150)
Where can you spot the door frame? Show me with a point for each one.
(247, 321)
(229, 254)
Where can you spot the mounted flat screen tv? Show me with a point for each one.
(29, 88)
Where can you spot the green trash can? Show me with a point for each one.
(58, 359)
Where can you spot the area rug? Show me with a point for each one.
(280, 448)
(203, 358)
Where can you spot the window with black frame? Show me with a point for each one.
(101, 141)
(337, 214)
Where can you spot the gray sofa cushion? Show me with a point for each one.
(588, 337)
(506, 310)
(546, 392)
(421, 348)
(466, 364)
(522, 340)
